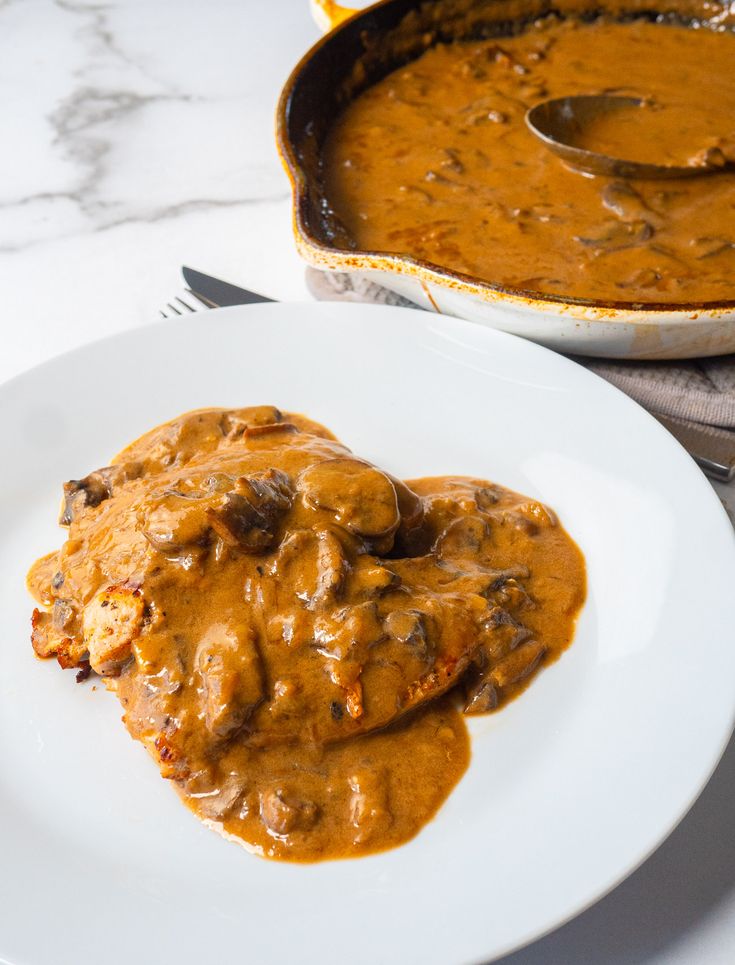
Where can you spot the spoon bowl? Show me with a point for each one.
(559, 122)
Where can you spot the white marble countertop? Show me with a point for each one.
(138, 136)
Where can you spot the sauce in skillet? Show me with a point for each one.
(292, 632)
(435, 161)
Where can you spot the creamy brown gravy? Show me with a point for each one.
(283, 622)
(435, 161)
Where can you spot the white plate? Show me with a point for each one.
(569, 788)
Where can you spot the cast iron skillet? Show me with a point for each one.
(361, 49)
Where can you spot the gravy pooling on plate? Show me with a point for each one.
(289, 629)
(435, 161)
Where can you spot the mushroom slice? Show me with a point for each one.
(518, 664)
(370, 577)
(481, 697)
(463, 534)
(618, 235)
(282, 811)
(625, 202)
(235, 422)
(409, 627)
(314, 564)
(271, 429)
(484, 684)
(79, 494)
(248, 516)
(230, 677)
(361, 498)
(87, 493)
(177, 521)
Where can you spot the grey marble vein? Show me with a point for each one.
(107, 107)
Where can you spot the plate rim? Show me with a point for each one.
(427, 321)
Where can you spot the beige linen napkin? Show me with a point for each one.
(700, 391)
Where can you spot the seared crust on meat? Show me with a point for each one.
(112, 620)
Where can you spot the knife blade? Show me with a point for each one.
(218, 293)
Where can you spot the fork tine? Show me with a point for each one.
(184, 302)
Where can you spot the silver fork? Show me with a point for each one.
(204, 291)
(183, 303)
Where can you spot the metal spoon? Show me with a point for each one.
(558, 122)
